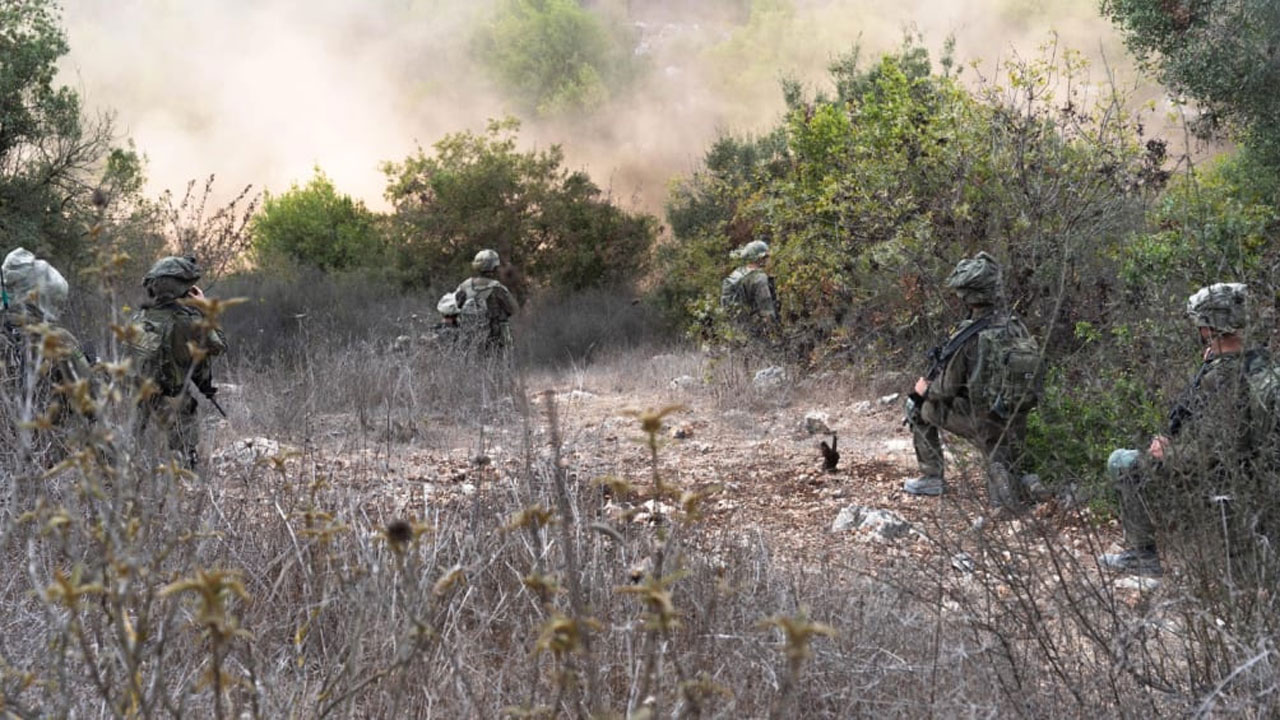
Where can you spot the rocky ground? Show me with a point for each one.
(753, 440)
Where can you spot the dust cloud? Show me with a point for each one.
(262, 91)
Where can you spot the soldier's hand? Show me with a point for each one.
(1158, 445)
(922, 386)
(195, 292)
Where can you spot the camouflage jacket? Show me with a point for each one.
(489, 300)
(33, 343)
(182, 328)
(750, 291)
(1217, 425)
(954, 381)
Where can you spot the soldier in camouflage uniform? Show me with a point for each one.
(174, 353)
(945, 402)
(46, 372)
(1219, 447)
(486, 306)
(748, 294)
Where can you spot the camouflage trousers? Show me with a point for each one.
(1000, 443)
(1215, 529)
(177, 417)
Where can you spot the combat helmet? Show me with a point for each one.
(1223, 307)
(448, 306)
(485, 261)
(976, 280)
(28, 279)
(171, 277)
(752, 251)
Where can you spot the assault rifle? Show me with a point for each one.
(940, 355)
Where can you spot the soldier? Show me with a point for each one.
(748, 293)
(171, 350)
(981, 383)
(1218, 448)
(41, 358)
(486, 305)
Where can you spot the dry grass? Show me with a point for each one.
(343, 575)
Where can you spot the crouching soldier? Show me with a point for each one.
(980, 385)
(1212, 472)
(47, 378)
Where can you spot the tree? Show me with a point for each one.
(49, 151)
(316, 225)
(1225, 54)
(478, 191)
(552, 55)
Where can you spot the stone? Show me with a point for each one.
(1138, 583)
(770, 377)
(684, 382)
(580, 396)
(962, 562)
(888, 399)
(816, 422)
(682, 432)
(248, 450)
(871, 523)
(862, 407)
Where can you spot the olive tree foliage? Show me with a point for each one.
(869, 192)
(316, 225)
(552, 227)
(52, 155)
(554, 56)
(1224, 54)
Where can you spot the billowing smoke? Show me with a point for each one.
(260, 91)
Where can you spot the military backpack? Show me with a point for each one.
(151, 349)
(1007, 376)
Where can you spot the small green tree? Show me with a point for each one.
(49, 150)
(478, 191)
(316, 225)
(1221, 53)
(554, 56)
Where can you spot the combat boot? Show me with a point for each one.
(1133, 562)
(926, 485)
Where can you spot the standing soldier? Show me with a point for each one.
(980, 385)
(172, 346)
(1219, 446)
(486, 305)
(748, 294)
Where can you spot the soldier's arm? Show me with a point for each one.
(762, 297)
(507, 300)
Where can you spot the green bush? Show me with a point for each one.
(554, 227)
(316, 225)
(554, 56)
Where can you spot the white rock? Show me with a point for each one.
(862, 407)
(684, 382)
(468, 489)
(248, 450)
(888, 399)
(873, 523)
(897, 445)
(770, 377)
(580, 395)
(816, 422)
(1139, 583)
(962, 562)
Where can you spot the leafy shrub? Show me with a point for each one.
(316, 225)
(478, 191)
(555, 56)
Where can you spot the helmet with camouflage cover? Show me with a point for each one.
(976, 280)
(485, 261)
(448, 306)
(171, 277)
(752, 251)
(28, 279)
(1223, 307)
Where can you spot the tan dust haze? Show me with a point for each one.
(260, 91)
